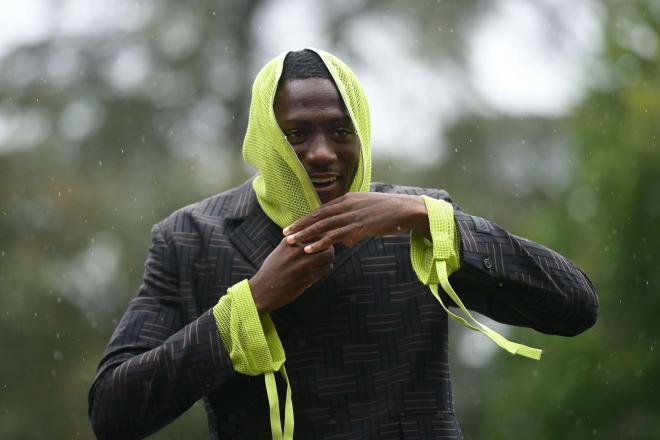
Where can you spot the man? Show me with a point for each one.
(310, 271)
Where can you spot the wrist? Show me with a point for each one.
(257, 296)
(419, 218)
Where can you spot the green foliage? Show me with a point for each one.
(603, 383)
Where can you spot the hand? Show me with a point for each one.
(286, 273)
(353, 216)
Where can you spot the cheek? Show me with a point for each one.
(354, 157)
(351, 158)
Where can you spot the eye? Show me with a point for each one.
(343, 134)
(295, 136)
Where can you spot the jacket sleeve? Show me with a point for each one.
(516, 281)
(155, 367)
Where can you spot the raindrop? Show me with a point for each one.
(100, 163)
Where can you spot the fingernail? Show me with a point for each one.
(285, 231)
(290, 239)
(308, 249)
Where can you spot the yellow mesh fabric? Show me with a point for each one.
(434, 261)
(254, 348)
(283, 189)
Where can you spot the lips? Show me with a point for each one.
(323, 181)
(327, 185)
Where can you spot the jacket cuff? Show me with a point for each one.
(250, 339)
(444, 244)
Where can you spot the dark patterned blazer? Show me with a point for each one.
(366, 348)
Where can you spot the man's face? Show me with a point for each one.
(315, 121)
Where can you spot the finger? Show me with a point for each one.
(318, 259)
(320, 228)
(332, 237)
(324, 257)
(315, 216)
(353, 238)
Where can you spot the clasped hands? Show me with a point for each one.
(306, 253)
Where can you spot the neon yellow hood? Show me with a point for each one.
(283, 188)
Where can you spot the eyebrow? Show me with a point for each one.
(344, 119)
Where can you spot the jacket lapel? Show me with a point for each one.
(256, 235)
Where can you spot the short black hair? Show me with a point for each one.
(304, 64)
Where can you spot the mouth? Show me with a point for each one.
(323, 182)
(327, 185)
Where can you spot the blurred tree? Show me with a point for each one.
(100, 137)
(602, 384)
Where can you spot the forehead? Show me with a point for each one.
(307, 97)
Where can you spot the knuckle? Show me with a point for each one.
(313, 229)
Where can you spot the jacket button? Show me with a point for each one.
(487, 263)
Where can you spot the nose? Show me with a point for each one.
(321, 151)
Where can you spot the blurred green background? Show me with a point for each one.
(542, 116)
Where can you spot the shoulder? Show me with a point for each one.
(410, 190)
(211, 212)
